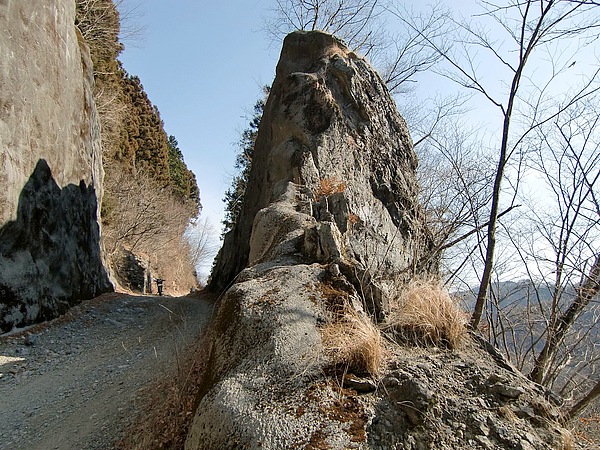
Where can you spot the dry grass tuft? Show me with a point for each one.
(329, 186)
(568, 442)
(508, 414)
(426, 314)
(354, 343)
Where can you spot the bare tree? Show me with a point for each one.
(403, 52)
(141, 217)
(97, 20)
(202, 242)
(530, 27)
(568, 161)
(399, 54)
(101, 22)
(354, 21)
(578, 408)
(547, 324)
(132, 215)
(453, 176)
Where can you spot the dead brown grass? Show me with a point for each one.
(354, 343)
(424, 313)
(568, 442)
(329, 186)
(168, 406)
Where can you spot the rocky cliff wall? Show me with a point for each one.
(50, 164)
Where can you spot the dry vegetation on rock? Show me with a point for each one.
(353, 343)
(424, 313)
(329, 186)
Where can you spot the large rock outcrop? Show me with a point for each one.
(50, 164)
(333, 148)
(329, 227)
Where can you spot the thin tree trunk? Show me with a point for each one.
(585, 293)
(584, 402)
(525, 50)
(491, 229)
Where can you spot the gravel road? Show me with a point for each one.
(75, 383)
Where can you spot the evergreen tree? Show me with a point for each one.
(146, 144)
(234, 196)
(182, 180)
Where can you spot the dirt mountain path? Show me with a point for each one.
(75, 383)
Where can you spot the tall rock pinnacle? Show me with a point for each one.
(51, 176)
(330, 227)
(330, 122)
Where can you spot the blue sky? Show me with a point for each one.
(202, 64)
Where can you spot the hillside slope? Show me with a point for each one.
(150, 194)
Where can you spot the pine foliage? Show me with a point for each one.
(234, 196)
(183, 180)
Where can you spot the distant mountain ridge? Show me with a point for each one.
(516, 322)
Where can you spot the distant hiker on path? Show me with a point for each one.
(159, 285)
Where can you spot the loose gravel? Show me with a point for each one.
(75, 383)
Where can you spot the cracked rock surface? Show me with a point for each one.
(329, 227)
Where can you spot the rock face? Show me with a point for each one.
(333, 172)
(50, 165)
(330, 225)
(133, 272)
